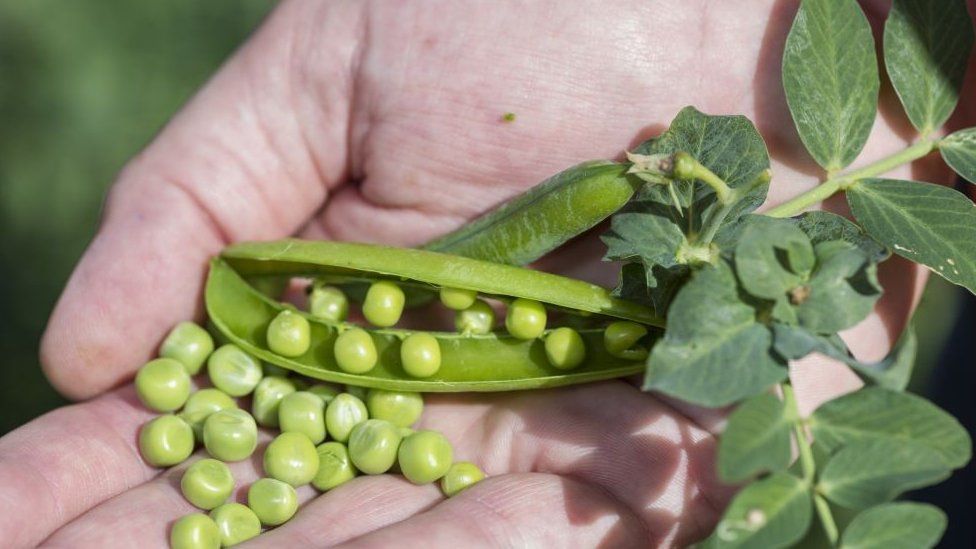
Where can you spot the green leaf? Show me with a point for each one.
(870, 472)
(926, 47)
(928, 224)
(756, 439)
(773, 257)
(875, 413)
(769, 513)
(901, 525)
(633, 285)
(959, 152)
(842, 291)
(830, 75)
(713, 352)
(823, 226)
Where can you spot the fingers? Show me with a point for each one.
(250, 157)
(59, 465)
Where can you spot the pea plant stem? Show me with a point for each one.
(842, 181)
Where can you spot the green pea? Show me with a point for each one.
(383, 304)
(234, 371)
(230, 435)
(335, 468)
(459, 477)
(424, 456)
(300, 383)
(526, 318)
(457, 298)
(620, 338)
(357, 391)
(565, 348)
(477, 319)
(328, 303)
(400, 408)
(303, 412)
(273, 501)
(289, 334)
(189, 344)
(267, 398)
(355, 351)
(420, 355)
(274, 370)
(194, 531)
(165, 440)
(342, 414)
(200, 405)
(291, 458)
(373, 446)
(324, 392)
(236, 523)
(207, 483)
(163, 385)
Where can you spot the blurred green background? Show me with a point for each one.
(86, 84)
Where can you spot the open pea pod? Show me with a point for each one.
(491, 362)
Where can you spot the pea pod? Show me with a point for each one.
(542, 219)
(489, 362)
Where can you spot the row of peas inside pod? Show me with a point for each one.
(325, 438)
(355, 352)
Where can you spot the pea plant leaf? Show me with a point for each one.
(830, 75)
(841, 291)
(926, 47)
(823, 226)
(928, 224)
(773, 257)
(756, 439)
(958, 149)
(902, 525)
(713, 352)
(869, 472)
(875, 413)
(773, 512)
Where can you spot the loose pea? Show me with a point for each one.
(335, 468)
(163, 384)
(383, 304)
(189, 344)
(324, 392)
(457, 298)
(328, 303)
(237, 523)
(620, 338)
(420, 355)
(355, 351)
(230, 435)
(199, 407)
(460, 476)
(274, 370)
(267, 398)
(357, 391)
(273, 501)
(373, 446)
(342, 414)
(565, 348)
(234, 371)
(400, 408)
(425, 456)
(477, 319)
(526, 319)
(289, 334)
(207, 483)
(194, 531)
(165, 441)
(303, 412)
(291, 458)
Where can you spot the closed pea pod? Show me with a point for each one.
(163, 385)
(236, 523)
(230, 435)
(400, 408)
(194, 531)
(383, 304)
(288, 334)
(565, 348)
(273, 501)
(373, 446)
(328, 303)
(342, 414)
(291, 458)
(303, 412)
(233, 370)
(355, 351)
(425, 456)
(420, 354)
(461, 476)
(526, 318)
(189, 344)
(207, 483)
(165, 441)
(335, 467)
(267, 398)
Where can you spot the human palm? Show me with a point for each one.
(382, 122)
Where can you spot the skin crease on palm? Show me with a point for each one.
(380, 122)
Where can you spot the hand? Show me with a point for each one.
(381, 122)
